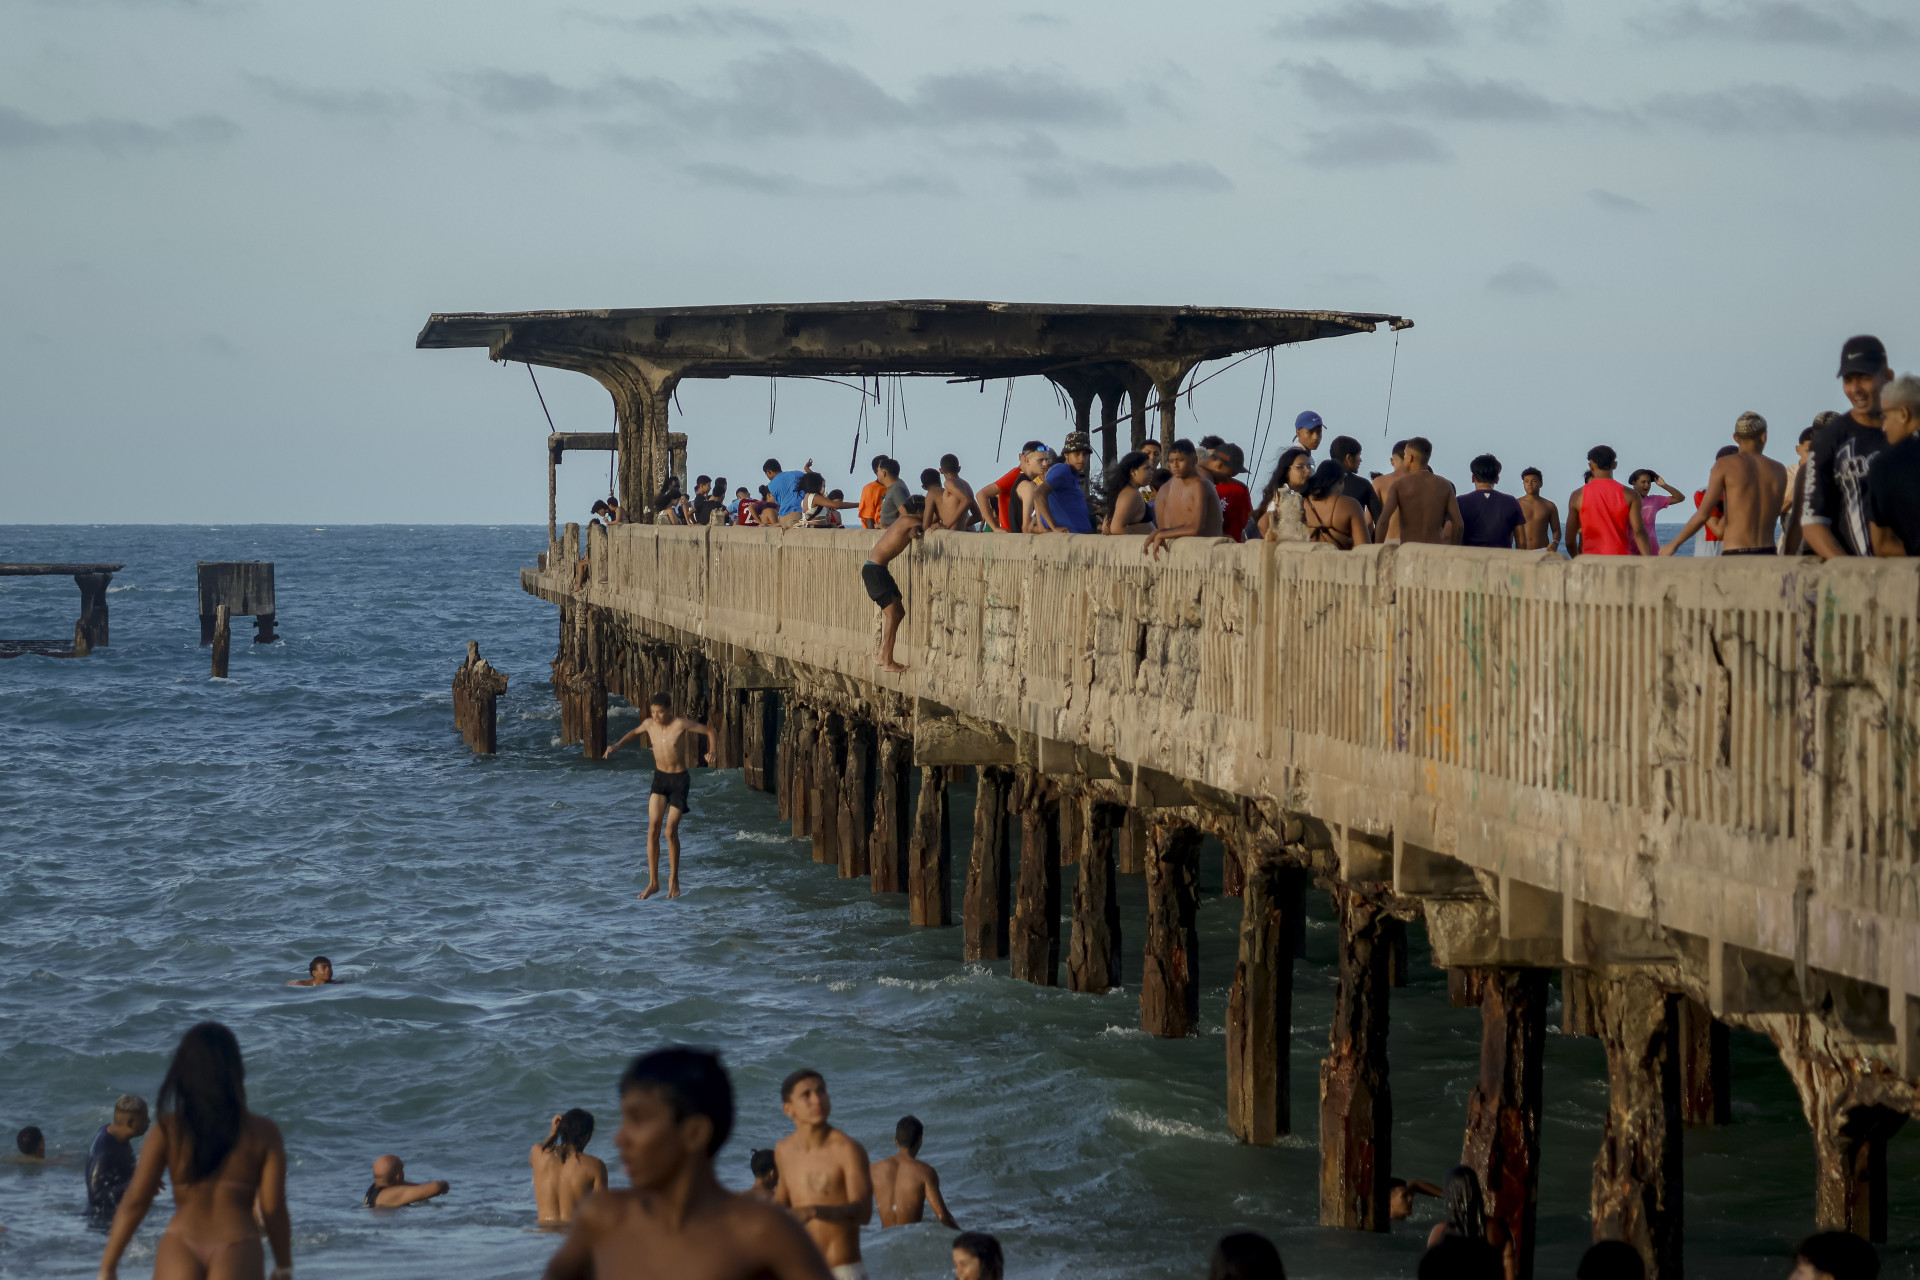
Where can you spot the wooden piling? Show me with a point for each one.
(1260, 1006)
(1706, 1095)
(1093, 951)
(1130, 844)
(985, 911)
(1035, 932)
(222, 640)
(1170, 969)
(1356, 1104)
(783, 760)
(593, 730)
(476, 690)
(1502, 1143)
(801, 802)
(930, 858)
(829, 763)
(854, 814)
(91, 630)
(888, 847)
(759, 743)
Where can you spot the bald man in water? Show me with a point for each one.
(391, 1190)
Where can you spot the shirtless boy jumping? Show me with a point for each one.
(881, 588)
(824, 1176)
(904, 1185)
(678, 1222)
(667, 734)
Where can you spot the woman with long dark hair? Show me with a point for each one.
(1126, 510)
(1331, 517)
(1467, 1217)
(221, 1158)
(1291, 473)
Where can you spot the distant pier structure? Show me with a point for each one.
(1689, 787)
(245, 587)
(90, 632)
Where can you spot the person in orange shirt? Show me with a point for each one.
(871, 495)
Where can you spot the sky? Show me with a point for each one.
(223, 222)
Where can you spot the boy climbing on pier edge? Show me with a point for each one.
(667, 734)
(881, 588)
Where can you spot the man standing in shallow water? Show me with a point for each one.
(824, 1175)
(668, 735)
(904, 1185)
(678, 1222)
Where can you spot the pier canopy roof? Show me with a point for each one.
(906, 337)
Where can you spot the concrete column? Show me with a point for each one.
(1706, 1095)
(93, 609)
(1093, 954)
(783, 759)
(593, 737)
(758, 742)
(888, 846)
(1233, 872)
(1637, 1177)
(1850, 1132)
(855, 813)
(1073, 820)
(1356, 1105)
(1130, 843)
(1260, 1006)
(1110, 393)
(984, 915)
(1170, 970)
(1137, 411)
(829, 762)
(930, 859)
(806, 732)
(1502, 1142)
(1036, 911)
(1168, 393)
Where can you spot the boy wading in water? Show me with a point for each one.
(824, 1175)
(669, 736)
(678, 1222)
(881, 587)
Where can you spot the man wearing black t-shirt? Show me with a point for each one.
(1834, 518)
(1491, 518)
(1893, 481)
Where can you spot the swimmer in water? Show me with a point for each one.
(32, 1144)
(670, 736)
(766, 1174)
(319, 974)
(391, 1190)
(905, 1186)
(563, 1173)
(1401, 1193)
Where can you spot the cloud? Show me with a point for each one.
(1403, 26)
(362, 103)
(1876, 111)
(1439, 92)
(1522, 280)
(1035, 18)
(758, 182)
(517, 92)
(21, 132)
(1016, 95)
(1831, 22)
(1088, 177)
(1614, 202)
(721, 23)
(1526, 19)
(1368, 146)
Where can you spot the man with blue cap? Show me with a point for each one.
(1306, 432)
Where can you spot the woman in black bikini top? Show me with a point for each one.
(1332, 517)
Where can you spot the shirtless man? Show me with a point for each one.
(881, 588)
(1425, 503)
(667, 734)
(1541, 532)
(905, 1185)
(1401, 1194)
(1751, 485)
(391, 1190)
(678, 1222)
(947, 507)
(563, 1173)
(824, 1175)
(1396, 467)
(766, 1174)
(319, 974)
(950, 474)
(1186, 505)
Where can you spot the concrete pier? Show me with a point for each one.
(1682, 784)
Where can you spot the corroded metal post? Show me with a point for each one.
(1036, 912)
(1356, 1105)
(930, 860)
(1170, 970)
(1093, 954)
(1502, 1142)
(1260, 1006)
(984, 915)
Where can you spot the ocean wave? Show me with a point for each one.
(757, 837)
(1162, 1127)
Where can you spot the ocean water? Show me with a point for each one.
(175, 848)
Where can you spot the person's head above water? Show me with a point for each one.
(676, 1111)
(205, 1091)
(907, 1135)
(803, 1096)
(389, 1171)
(1611, 1260)
(763, 1166)
(1466, 1212)
(1245, 1255)
(571, 1136)
(130, 1113)
(1835, 1255)
(320, 969)
(32, 1143)
(977, 1256)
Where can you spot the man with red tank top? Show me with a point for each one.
(1603, 515)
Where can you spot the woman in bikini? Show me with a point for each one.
(1128, 513)
(1331, 517)
(221, 1158)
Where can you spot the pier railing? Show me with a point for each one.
(1728, 748)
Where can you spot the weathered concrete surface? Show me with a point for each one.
(1708, 764)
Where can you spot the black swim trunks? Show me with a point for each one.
(674, 787)
(881, 587)
(1750, 551)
